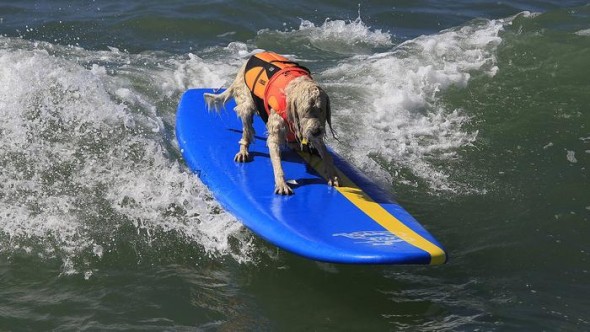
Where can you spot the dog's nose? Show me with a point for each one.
(316, 132)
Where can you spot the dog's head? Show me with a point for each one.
(308, 109)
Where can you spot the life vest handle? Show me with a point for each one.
(297, 65)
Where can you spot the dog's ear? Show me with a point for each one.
(293, 115)
(329, 117)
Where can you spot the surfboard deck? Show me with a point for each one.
(355, 223)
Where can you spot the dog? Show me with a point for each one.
(291, 103)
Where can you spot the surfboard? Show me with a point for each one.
(355, 223)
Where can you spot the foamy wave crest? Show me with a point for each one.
(345, 36)
(87, 162)
(397, 101)
(337, 36)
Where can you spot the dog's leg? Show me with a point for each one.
(329, 169)
(276, 135)
(247, 137)
(245, 109)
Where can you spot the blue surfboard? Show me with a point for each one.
(355, 223)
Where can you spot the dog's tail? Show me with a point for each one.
(217, 101)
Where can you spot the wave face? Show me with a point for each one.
(474, 114)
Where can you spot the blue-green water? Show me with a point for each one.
(474, 113)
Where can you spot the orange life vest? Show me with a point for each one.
(267, 75)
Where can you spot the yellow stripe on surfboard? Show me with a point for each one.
(375, 211)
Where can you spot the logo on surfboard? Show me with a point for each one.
(375, 238)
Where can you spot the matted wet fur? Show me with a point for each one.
(308, 111)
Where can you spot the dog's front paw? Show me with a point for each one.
(242, 157)
(283, 189)
(332, 176)
(333, 181)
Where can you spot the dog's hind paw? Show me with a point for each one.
(283, 189)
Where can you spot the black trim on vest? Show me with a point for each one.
(293, 63)
(270, 69)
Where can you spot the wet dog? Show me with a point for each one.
(291, 103)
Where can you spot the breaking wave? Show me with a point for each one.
(89, 159)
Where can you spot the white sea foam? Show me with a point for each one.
(571, 156)
(337, 36)
(84, 155)
(398, 114)
(585, 32)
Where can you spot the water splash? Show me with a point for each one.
(334, 36)
(398, 120)
(87, 159)
(345, 37)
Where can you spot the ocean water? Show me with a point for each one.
(475, 114)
